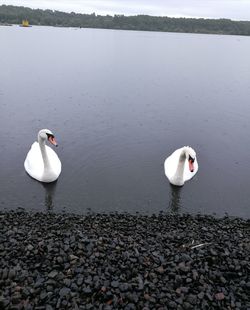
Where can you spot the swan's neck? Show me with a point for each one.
(178, 176)
(44, 154)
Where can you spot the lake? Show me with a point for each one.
(119, 103)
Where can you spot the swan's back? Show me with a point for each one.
(34, 164)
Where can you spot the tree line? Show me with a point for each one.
(14, 15)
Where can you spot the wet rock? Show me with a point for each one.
(192, 299)
(114, 284)
(219, 296)
(64, 292)
(124, 287)
(172, 305)
(188, 280)
(73, 257)
(87, 290)
(60, 260)
(67, 282)
(16, 297)
(160, 270)
(5, 273)
(12, 274)
(223, 280)
(79, 281)
(130, 306)
(43, 295)
(201, 295)
(39, 282)
(53, 274)
(30, 247)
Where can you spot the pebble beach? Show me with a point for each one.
(123, 261)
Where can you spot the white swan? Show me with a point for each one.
(181, 166)
(41, 162)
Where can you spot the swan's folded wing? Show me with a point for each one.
(171, 163)
(34, 162)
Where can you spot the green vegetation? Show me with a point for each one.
(14, 15)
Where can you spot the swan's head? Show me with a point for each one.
(46, 134)
(191, 157)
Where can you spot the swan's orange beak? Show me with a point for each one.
(52, 140)
(191, 165)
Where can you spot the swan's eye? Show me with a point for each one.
(191, 159)
(50, 135)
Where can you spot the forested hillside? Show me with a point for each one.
(15, 15)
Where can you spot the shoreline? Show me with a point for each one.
(123, 261)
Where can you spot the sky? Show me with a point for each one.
(232, 9)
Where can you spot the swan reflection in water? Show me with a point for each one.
(175, 198)
(50, 189)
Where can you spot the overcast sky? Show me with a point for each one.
(233, 9)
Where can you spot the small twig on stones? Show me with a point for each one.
(199, 245)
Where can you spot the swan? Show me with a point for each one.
(41, 162)
(181, 165)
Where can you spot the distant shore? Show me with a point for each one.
(5, 24)
(15, 14)
(122, 261)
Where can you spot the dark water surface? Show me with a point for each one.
(119, 103)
